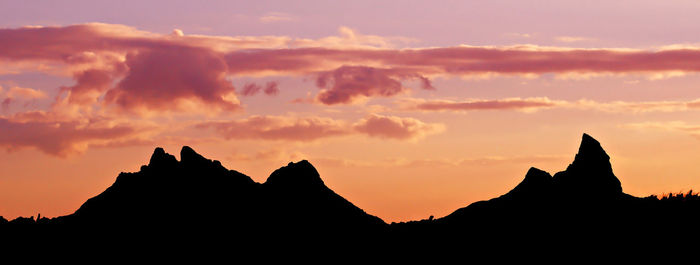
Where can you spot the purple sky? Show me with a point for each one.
(623, 23)
(376, 94)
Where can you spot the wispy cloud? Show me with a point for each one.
(24, 92)
(273, 17)
(305, 129)
(571, 39)
(517, 35)
(675, 126)
(437, 162)
(480, 104)
(537, 103)
(59, 138)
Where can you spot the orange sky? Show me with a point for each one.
(406, 114)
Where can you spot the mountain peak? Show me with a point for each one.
(536, 183)
(536, 175)
(590, 149)
(160, 158)
(591, 156)
(590, 173)
(187, 154)
(300, 174)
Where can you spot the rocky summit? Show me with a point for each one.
(590, 174)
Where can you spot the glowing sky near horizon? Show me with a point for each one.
(407, 110)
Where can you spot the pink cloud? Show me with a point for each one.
(18, 95)
(469, 60)
(46, 43)
(692, 130)
(56, 138)
(160, 78)
(6, 104)
(89, 86)
(396, 127)
(278, 128)
(272, 17)
(157, 72)
(163, 71)
(345, 84)
(71, 42)
(315, 128)
(536, 103)
(480, 104)
(271, 89)
(25, 93)
(694, 104)
(250, 89)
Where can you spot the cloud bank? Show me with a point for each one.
(121, 73)
(538, 103)
(58, 138)
(133, 69)
(314, 128)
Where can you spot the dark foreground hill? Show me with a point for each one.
(199, 197)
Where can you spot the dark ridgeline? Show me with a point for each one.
(199, 197)
(196, 194)
(584, 201)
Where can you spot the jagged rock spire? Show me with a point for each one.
(590, 174)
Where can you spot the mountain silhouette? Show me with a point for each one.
(168, 195)
(589, 174)
(196, 196)
(587, 181)
(584, 201)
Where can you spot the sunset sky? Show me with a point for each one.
(406, 108)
